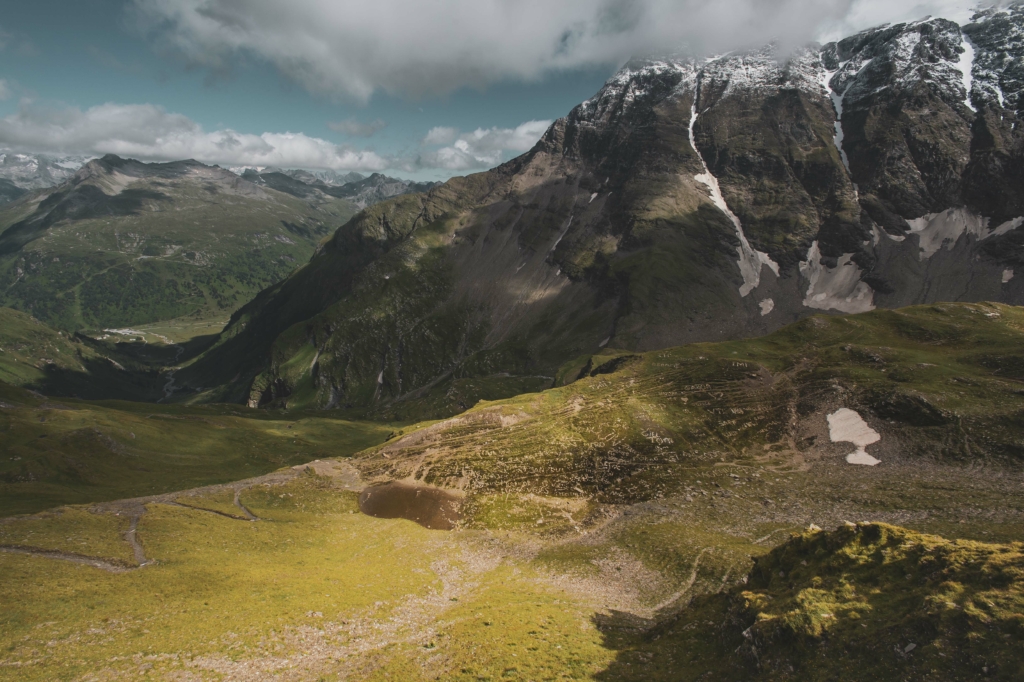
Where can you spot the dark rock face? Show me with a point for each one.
(688, 200)
(9, 191)
(905, 117)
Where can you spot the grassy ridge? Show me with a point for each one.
(71, 451)
(939, 383)
(649, 520)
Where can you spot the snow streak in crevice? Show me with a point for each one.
(966, 66)
(837, 104)
(750, 261)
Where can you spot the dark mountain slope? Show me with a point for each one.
(687, 201)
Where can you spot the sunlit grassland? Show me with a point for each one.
(633, 524)
(67, 452)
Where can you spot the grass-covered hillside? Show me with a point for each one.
(36, 356)
(282, 578)
(939, 384)
(657, 516)
(60, 451)
(125, 243)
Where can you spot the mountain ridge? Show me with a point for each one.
(122, 242)
(688, 200)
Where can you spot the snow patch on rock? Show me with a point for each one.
(846, 426)
(839, 288)
(935, 229)
(750, 260)
(837, 104)
(633, 82)
(766, 68)
(767, 305)
(1007, 275)
(966, 66)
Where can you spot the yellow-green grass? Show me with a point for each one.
(69, 452)
(316, 590)
(865, 602)
(219, 588)
(221, 501)
(75, 530)
(512, 627)
(938, 382)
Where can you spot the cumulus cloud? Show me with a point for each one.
(416, 48)
(481, 148)
(149, 132)
(441, 135)
(354, 128)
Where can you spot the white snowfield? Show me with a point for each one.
(935, 229)
(839, 288)
(750, 260)
(846, 426)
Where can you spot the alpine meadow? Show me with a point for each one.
(350, 342)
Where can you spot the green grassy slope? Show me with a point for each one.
(315, 590)
(865, 602)
(939, 383)
(36, 356)
(126, 243)
(632, 523)
(73, 451)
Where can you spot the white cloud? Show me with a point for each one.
(149, 132)
(441, 135)
(354, 128)
(5, 90)
(868, 13)
(481, 148)
(415, 48)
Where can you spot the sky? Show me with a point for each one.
(421, 89)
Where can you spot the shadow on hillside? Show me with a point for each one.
(689, 645)
(101, 380)
(139, 374)
(153, 355)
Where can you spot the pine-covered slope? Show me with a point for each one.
(689, 200)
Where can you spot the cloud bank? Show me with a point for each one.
(148, 132)
(481, 148)
(415, 48)
(151, 133)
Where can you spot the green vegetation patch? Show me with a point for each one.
(76, 530)
(865, 602)
(77, 452)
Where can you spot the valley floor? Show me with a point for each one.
(281, 577)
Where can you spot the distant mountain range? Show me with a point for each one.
(361, 191)
(117, 242)
(35, 171)
(689, 200)
(20, 173)
(124, 243)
